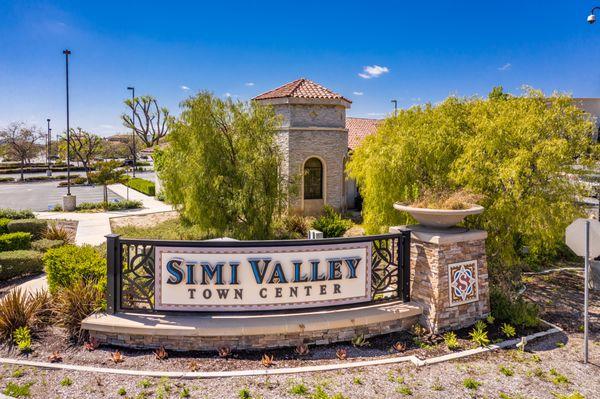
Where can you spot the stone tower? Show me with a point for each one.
(314, 141)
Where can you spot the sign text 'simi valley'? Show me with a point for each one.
(259, 278)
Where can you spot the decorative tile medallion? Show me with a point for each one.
(463, 285)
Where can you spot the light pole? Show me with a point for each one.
(48, 143)
(592, 17)
(395, 102)
(133, 125)
(68, 200)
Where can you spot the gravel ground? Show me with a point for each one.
(550, 367)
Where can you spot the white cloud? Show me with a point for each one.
(357, 93)
(184, 88)
(373, 71)
(505, 67)
(227, 94)
(375, 114)
(249, 84)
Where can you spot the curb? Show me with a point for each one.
(288, 370)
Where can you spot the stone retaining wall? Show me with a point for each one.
(263, 341)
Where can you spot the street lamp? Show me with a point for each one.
(133, 124)
(48, 143)
(395, 102)
(69, 201)
(592, 17)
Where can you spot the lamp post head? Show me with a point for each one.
(130, 88)
(48, 120)
(591, 18)
(66, 52)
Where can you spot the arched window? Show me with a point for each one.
(313, 179)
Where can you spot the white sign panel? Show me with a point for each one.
(256, 278)
(575, 237)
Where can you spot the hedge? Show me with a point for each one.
(70, 263)
(19, 263)
(143, 186)
(34, 226)
(3, 225)
(15, 241)
(44, 244)
(14, 214)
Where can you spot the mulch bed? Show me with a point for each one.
(53, 340)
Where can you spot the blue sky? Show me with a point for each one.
(418, 51)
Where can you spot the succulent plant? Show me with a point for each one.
(161, 353)
(55, 357)
(341, 354)
(194, 365)
(91, 345)
(117, 357)
(359, 341)
(267, 360)
(224, 351)
(399, 346)
(302, 350)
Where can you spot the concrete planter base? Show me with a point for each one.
(208, 333)
(69, 203)
(438, 218)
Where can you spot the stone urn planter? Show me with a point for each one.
(439, 218)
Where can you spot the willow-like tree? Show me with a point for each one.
(221, 166)
(518, 152)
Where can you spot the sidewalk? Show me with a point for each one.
(92, 227)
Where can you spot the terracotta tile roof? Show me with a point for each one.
(300, 88)
(359, 128)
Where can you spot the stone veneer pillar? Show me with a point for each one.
(449, 276)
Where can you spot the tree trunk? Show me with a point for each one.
(22, 167)
(105, 193)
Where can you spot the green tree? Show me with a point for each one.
(108, 172)
(221, 167)
(518, 152)
(85, 147)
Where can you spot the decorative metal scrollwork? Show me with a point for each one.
(137, 289)
(384, 269)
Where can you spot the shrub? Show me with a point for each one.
(20, 309)
(15, 241)
(123, 204)
(74, 303)
(479, 334)
(109, 206)
(34, 226)
(142, 185)
(15, 390)
(290, 226)
(19, 263)
(4, 225)
(517, 312)
(331, 223)
(44, 244)
(6, 179)
(54, 231)
(22, 338)
(508, 330)
(70, 263)
(15, 214)
(451, 341)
